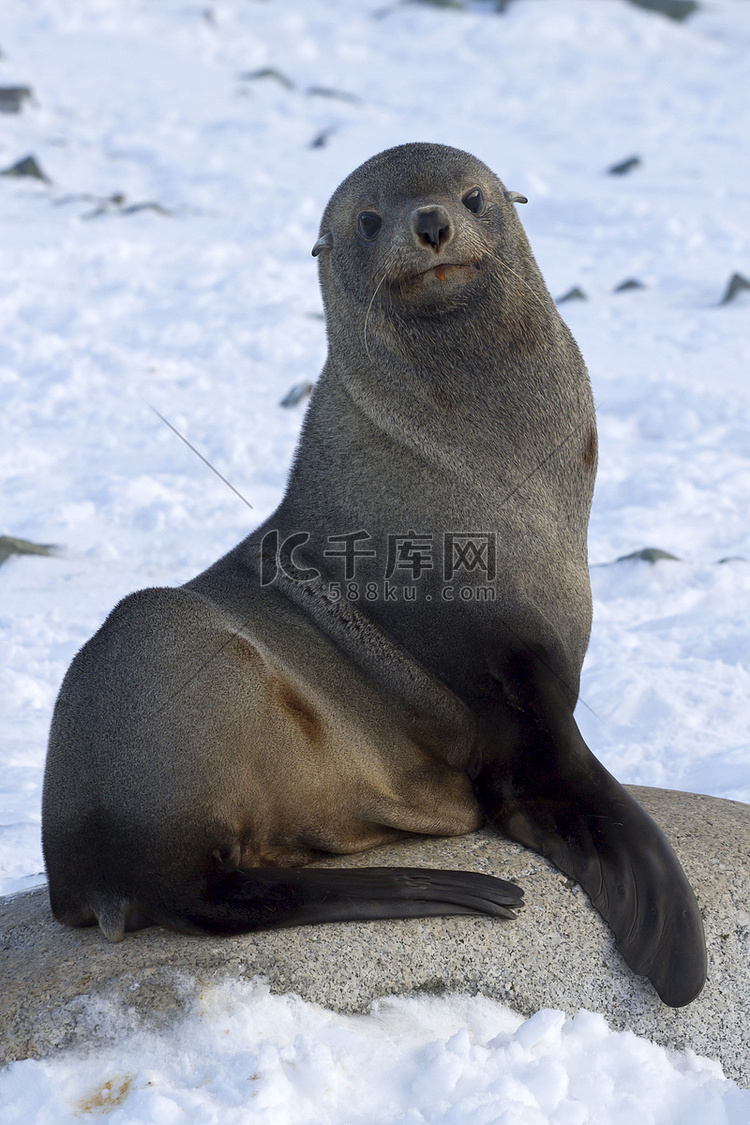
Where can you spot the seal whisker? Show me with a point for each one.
(197, 454)
(509, 269)
(367, 314)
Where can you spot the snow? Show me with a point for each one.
(246, 1056)
(205, 304)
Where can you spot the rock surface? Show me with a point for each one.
(63, 988)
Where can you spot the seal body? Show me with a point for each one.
(398, 648)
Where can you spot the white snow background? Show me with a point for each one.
(205, 304)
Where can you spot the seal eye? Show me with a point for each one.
(369, 224)
(474, 200)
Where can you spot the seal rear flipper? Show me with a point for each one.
(546, 790)
(272, 898)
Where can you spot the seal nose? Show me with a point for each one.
(433, 227)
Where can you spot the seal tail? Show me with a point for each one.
(272, 898)
(541, 785)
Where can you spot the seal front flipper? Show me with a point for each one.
(271, 898)
(541, 785)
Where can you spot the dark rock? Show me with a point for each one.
(134, 208)
(649, 555)
(102, 201)
(327, 92)
(673, 9)
(9, 545)
(268, 72)
(13, 97)
(321, 138)
(26, 167)
(736, 284)
(115, 205)
(631, 283)
(625, 166)
(574, 294)
(298, 392)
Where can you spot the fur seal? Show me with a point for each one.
(398, 648)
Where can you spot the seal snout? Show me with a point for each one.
(432, 227)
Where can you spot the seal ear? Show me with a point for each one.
(512, 197)
(325, 242)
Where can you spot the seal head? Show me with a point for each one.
(425, 223)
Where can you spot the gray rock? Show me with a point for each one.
(672, 9)
(649, 555)
(320, 140)
(628, 284)
(574, 294)
(624, 166)
(297, 394)
(63, 988)
(328, 92)
(736, 284)
(12, 98)
(268, 72)
(11, 545)
(441, 3)
(29, 166)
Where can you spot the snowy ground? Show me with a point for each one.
(205, 304)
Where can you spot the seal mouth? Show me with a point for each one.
(448, 269)
(442, 272)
